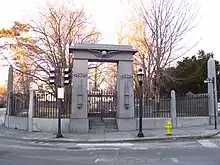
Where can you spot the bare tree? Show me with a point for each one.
(163, 25)
(45, 43)
(96, 74)
(111, 77)
(136, 33)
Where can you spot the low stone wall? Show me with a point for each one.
(154, 123)
(192, 121)
(126, 124)
(39, 124)
(16, 122)
(50, 125)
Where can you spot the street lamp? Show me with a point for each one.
(140, 76)
(207, 81)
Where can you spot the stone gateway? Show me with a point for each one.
(120, 54)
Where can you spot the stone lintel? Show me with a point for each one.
(103, 47)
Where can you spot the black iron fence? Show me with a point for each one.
(192, 105)
(102, 103)
(153, 108)
(19, 104)
(46, 106)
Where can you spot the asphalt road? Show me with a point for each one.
(202, 152)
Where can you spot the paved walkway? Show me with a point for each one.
(154, 134)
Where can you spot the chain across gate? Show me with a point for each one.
(102, 104)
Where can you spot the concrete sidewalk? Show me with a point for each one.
(2, 115)
(150, 135)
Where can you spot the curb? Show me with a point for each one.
(144, 139)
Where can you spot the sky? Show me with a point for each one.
(108, 14)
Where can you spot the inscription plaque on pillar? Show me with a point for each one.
(126, 90)
(80, 96)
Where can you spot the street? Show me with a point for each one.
(188, 152)
(201, 152)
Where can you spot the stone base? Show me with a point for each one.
(126, 124)
(174, 122)
(6, 121)
(79, 125)
(212, 120)
(16, 122)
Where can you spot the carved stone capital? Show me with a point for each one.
(127, 76)
(80, 75)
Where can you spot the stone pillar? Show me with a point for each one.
(173, 108)
(211, 74)
(125, 97)
(31, 111)
(9, 95)
(79, 114)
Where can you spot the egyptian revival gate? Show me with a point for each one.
(105, 104)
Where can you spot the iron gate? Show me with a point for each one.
(102, 104)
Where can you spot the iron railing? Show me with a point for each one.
(46, 106)
(102, 103)
(153, 108)
(19, 104)
(192, 105)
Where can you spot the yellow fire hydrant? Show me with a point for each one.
(169, 127)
